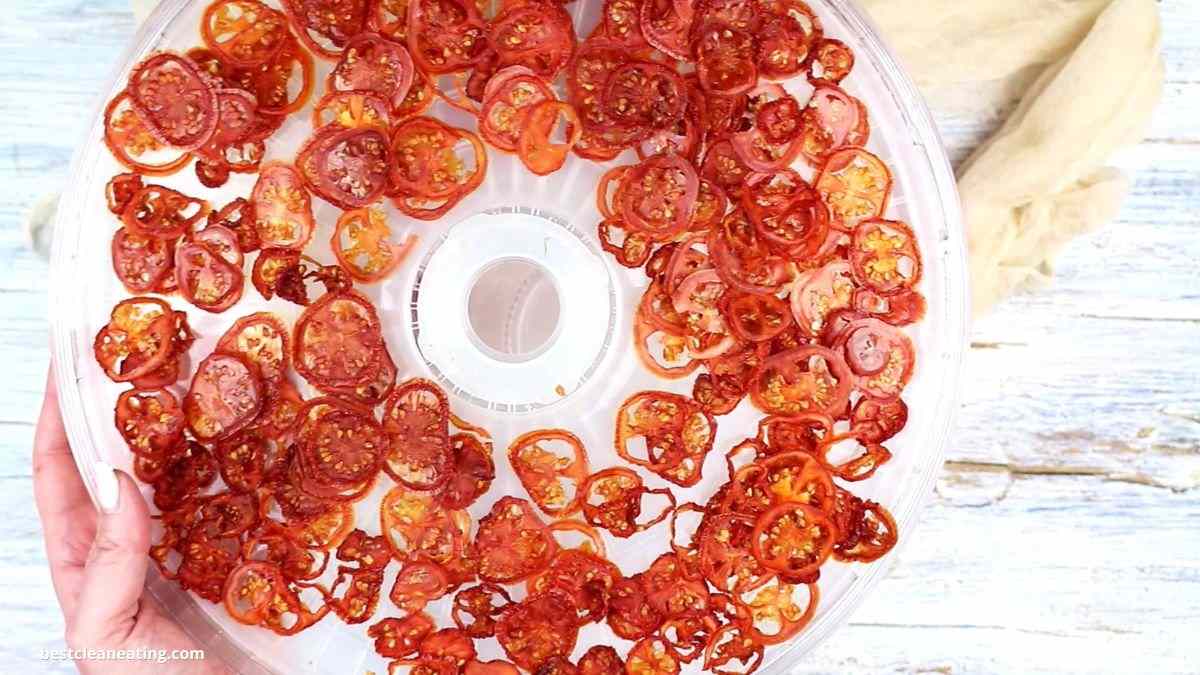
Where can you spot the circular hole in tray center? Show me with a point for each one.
(514, 308)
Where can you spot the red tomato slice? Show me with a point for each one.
(225, 395)
(282, 208)
(174, 100)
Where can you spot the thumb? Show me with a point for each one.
(115, 573)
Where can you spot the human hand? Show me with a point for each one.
(98, 561)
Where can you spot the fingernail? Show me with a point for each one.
(108, 490)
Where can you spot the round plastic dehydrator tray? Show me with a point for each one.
(508, 302)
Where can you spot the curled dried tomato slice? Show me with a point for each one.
(133, 145)
(581, 578)
(282, 84)
(676, 433)
(793, 539)
(250, 590)
(174, 100)
(417, 418)
(652, 656)
(538, 152)
(631, 250)
(778, 610)
(552, 466)
(238, 216)
(164, 213)
(243, 32)
(269, 268)
(658, 196)
(509, 96)
(875, 420)
(473, 472)
(536, 629)
(856, 185)
(445, 36)
(142, 263)
(327, 26)
(137, 340)
(338, 341)
(399, 638)
(362, 244)
(190, 468)
(346, 167)
(476, 609)
(225, 395)
(536, 35)
(150, 420)
(206, 279)
(804, 380)
(866, 530)
(731, 650)
(282, 208)
(372, 63)
(880, 356)
(612, 499)
(512, 543)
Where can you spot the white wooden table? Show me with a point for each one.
(1065, 533)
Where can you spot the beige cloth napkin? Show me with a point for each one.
(1096, 74)
(1088, 74)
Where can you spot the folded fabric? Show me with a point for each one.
(1041, 179)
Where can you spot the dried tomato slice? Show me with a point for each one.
(226, 394)
(552, 466)
(243, 32)
(338, 341)
(243, 461)
(777, 610)
(416, 526)
(473, 472)
(206, 279)
(793, 539)
(820, 293)
(866, 530)
(631, 250)
(757, 318)
(804, 380)
(250, 590)
(725, 60)
(875, 420)
(137, 340)
(372, 63)
(133, 145)
(352, 110)
(238, 216)
(612, 499)
(676, 433)
(880, 356)
(856, 185)
(537, 35)
(417, 418)
(399, 638)
(445, 36)
(346, 167)
(657, 197)
(884, 256)
(174, 100)
(652, 656)
(601, 660)
(582, 578)
(536, 629)
(510, 94)
(261, 339)
(142, 263)
(362, 244)
(340, 447)
(417, 584)
(644, 95)
(785, 42)
(426, 160)
(164, 213)
(832, 61)
(282, 208)
(511, 543)
(537, 151)
(483, 605)
(327, 26)
(282, 84)
(151, 421)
